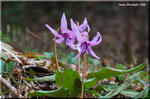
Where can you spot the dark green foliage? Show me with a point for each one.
(58, 93)
(44, 78)
(89, 83)
(122, 87)
(121, 77)
(108, 72)
(120, 66)
(71, 82)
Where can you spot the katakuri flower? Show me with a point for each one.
(84, 45)
(67, 35)
(81, 27)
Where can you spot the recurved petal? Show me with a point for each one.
(92, 52)
(83, 26)
(94, 41)
(64, 24)
(88, 28)
(96, 37)
(60, 40)
(53, 31)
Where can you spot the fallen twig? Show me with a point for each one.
(27, 84)
(13, 89)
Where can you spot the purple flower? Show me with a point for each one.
(82, 27)
(66, 36)
(84, 45)
(78, 33)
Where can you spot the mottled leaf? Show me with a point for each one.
(89, 83)
(122, 87)
(58, 93)
(70, 80)
(108, 72)
(44, 78)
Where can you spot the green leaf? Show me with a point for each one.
(70, 80)
(89, 83)
(121, 66)
(38, 56)
(129, 93)
(44, 78)
(106, 87)
(108, 72)
(121, 78)
(111, 87)
(122, 87)
(58, 93)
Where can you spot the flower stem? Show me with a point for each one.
(55, 52)
(79, 56)
(84, 65)
(79, 63)
(85, 71)
(56, 59)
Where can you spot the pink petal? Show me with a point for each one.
(71, 45)
(88, 28)
(94, 41)
(53, 31)
(64, 24)
(72, 24)
(76, 31)
(92, 52)
(60, 40)
(83, 26)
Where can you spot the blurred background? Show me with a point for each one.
(124, 29)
